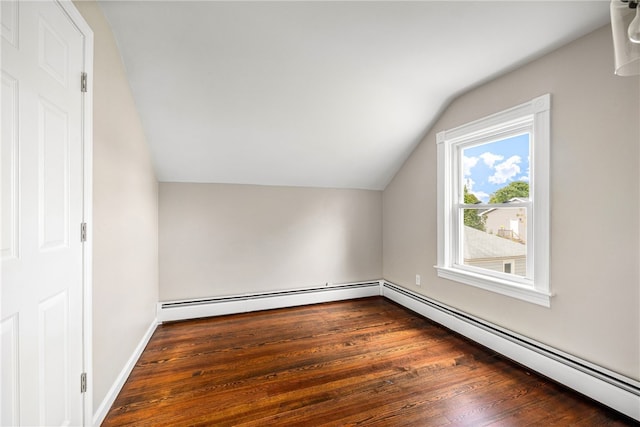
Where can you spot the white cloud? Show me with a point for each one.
(490, 159)
(524, 178)
(506, 170)
(468, 163)
(482, 196)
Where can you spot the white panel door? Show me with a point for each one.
(42, 208)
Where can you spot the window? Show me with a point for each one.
(507, 266)
(493, 202)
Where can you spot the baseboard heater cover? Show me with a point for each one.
(206, 307)
(607, 387)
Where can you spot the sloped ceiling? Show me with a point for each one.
(317, 93)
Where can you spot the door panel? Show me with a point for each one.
(10, 388)
(53, 176)
(9, 135)
(10, 21)
(53, 333)
(53, 52)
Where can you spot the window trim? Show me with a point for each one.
(537, 112)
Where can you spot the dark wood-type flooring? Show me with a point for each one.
(358, 362)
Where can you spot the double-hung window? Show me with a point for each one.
(493, 202)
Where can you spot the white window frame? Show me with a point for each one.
(535, 117)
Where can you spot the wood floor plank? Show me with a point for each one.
(358, 362)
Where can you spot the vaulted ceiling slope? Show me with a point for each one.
(317, 93)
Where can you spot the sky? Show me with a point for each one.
(491, 166)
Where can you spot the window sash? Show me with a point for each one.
(457, 235)
(520, 127)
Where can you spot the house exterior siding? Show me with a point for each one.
(497, 264)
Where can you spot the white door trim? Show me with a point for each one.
(87, 213)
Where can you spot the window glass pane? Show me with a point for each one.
(493, 238)
(497, 171)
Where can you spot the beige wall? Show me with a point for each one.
(594, 207)
(125, 219)
(218, 239)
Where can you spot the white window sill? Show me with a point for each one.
(497, 285)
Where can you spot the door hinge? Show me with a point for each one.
(83, 82)
(83, 382)
(83, 232)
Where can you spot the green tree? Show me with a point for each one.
(471, 216)
(508, 192)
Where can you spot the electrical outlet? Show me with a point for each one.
(417, 280)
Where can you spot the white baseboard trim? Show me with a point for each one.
(607, 387)
(103, 409)
(206, 307)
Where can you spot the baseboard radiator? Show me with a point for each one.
(607, 387)
(206, 307)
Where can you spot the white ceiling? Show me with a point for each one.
(319, 94)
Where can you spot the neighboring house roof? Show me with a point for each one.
(478, 244)
(515, 199)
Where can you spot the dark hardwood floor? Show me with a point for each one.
(357, 362)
